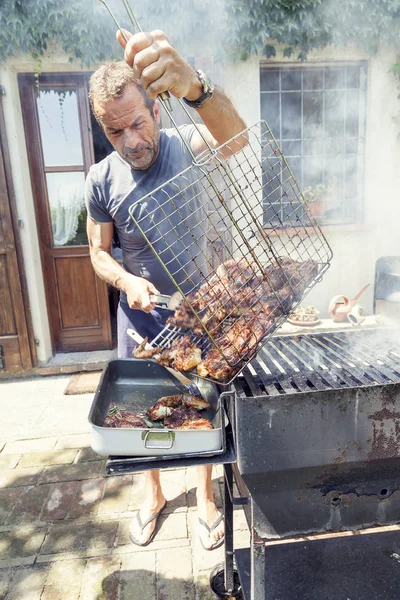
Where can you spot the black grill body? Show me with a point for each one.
(318, 431)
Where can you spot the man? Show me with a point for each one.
(123, 98)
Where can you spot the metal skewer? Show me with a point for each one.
(164, 96)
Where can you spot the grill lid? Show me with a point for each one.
(305, 363)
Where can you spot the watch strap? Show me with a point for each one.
(208, 92)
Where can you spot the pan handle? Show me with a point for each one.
(158, 436)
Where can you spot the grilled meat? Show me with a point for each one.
(167, 356)
(239, 271)
(187, 356)
(195, 424)
(239, 306)
(195, 402)
(187, 418)
(164, 407)
(142, 352)
(214, 365)
(183, 316)
(124, 419)
(175, 411)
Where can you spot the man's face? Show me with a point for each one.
(131, 128)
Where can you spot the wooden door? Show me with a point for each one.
(57, 129)
(16, 346)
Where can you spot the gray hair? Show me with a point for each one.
(109, 81)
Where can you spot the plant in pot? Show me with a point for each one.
(316, 199)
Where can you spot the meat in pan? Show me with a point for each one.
(167, 405)
(197, 402)
(201, 423)
(124, 419)
(181, 411)
(187, 418)
(164, 407)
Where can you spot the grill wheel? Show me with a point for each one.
(217, 583)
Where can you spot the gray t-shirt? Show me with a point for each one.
(173, 218)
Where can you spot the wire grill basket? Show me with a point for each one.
(235, 237)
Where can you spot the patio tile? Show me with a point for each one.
(59, 457)
(75, 536)
(74, 472)
(21, 542)
(138, 577)
(27, 583)
(64, 581)
(101, 579)
(35, 445)
(87, 498)
(59, 500)
(29, 505)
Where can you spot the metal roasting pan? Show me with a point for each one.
(137, 385)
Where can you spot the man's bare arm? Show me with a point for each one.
(137, 289)
(222, 122)
(160, 68)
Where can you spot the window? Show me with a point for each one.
(317, 116)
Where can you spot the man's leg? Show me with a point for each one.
(207, 511)
(146, 325)
(154, 501)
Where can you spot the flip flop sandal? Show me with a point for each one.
(143, 525)
(219, 542)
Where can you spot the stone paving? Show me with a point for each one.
(64, 524)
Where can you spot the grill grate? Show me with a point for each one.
(306, 363)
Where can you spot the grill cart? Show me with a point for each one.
(317, 436)
(312, 442)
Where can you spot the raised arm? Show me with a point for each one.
(159, 68)
(137, 289)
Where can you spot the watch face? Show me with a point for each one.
(208, 86)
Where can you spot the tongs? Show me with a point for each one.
(166, 301)
(188, 386)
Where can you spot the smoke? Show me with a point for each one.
(332, 115)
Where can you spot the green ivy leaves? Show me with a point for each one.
(236, 28)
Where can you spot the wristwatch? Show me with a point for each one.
(208, 91)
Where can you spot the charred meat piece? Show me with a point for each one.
(164, 407)
(239, 271)
(187, 355)
(195, 402)
(167, 356)
(275, 277)
(286, 298)
(214, 365)
(210, 321)
(196, 424)
(180, 415)
(142, 352)
(305, 274)
(124, 419)
(183, 316)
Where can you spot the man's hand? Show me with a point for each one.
(138, 292)
(158, 66)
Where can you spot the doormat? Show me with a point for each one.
(83, 383)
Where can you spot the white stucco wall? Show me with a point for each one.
(23, 190)
(355, 248)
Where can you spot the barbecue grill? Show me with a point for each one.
(315, 431)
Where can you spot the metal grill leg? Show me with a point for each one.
(257, 562)
(228, 518)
